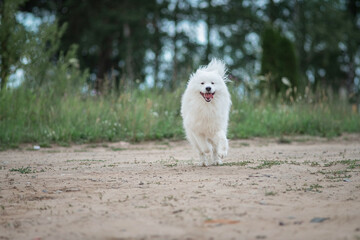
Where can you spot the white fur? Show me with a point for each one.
(206, 123)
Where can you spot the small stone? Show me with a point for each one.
(177, 211)
(260, 237)
(17, 224)
(319, 219)
(72, 189)
(141, 183)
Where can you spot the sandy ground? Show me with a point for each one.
(308, 188)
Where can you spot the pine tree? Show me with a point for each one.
(12, 39)
(278, 62)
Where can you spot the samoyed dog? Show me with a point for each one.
(205, 107)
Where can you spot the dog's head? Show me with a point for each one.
(209, 81)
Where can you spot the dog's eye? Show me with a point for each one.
(202, 83)
(212, 83)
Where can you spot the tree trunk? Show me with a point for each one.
(104, 64)
(129, 72)
(157, 47)
(300, 33)
(5, 66)
(175, 38)
(272, 14)
(352, 48)
(208, 25)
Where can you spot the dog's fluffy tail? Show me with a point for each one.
(218, 66)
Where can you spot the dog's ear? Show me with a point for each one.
(218, 66)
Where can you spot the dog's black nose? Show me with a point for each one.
(208, 89)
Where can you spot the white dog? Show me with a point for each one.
(205, 108)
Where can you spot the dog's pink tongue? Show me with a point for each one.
(209, 95)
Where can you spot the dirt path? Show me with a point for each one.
(306, 189)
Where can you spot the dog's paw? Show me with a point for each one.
(205, 164)
(222, 154)
(218, 162)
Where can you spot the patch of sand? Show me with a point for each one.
(306, 189)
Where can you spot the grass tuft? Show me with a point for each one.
(268, 164)
(22, 170)
(242, 163)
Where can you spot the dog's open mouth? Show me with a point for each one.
(207, 96)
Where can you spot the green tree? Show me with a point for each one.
(326, 41)
(278, 62)
(12, 39)
(48, 70)
(236, 23)
(352, 43)
(112, 35)
(121, 35)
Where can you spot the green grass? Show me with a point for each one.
(314, 188)
(29, 118)
(42, 118)
(22, 170)
(45, 145)
(283, 140)
(352, 164)
(268, 164)
(326, 119)
(241, 163)
(85, 160)
(271, 193)
(117, 149)
(336, 174)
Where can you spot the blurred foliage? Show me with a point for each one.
(12, 39)
(124, 42)
(278, 62)
(47, 69)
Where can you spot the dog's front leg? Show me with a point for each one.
(217, 159)
(205, 150)
(222, 144)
